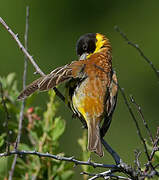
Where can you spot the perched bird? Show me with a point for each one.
(91, 86)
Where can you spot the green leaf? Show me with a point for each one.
(24, 147)
(67, 174)
(2, 139)
(156, 156)
(58, 128)
(47, 131)
(10, 78)
(4, 166)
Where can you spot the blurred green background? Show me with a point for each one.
(55, 26)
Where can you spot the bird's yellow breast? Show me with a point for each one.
(88, 99)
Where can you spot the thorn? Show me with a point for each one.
(35, 73)
(137, 46)
(132, 99)
(35, 151)
(71, 158)
(59, 157)
(89, 160)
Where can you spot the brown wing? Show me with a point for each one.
(110, 104)
(57, 76)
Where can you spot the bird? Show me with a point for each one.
(91, 86)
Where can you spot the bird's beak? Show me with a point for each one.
(83, 56)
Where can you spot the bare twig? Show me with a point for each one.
(6, 119)
(137, 127)
(156, 138)
(136, 46)
(149, 157)
(142, 117)
(98, 175)
(135, 121)
(15, 37)
(61, 158)
(139, 131)
(137, 161)
(134, 118)
(24, 77)
(23, 101)
(115, 156)
(154, 150)
(106, 175)
(38, 70)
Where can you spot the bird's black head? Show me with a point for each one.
(86, 44)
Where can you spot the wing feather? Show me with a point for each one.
(110, 105)
(57, 76)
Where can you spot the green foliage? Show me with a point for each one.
(9, 84)
(43, 136)
(41, 132)
(10, 93)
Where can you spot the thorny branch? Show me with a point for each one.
(61, 158)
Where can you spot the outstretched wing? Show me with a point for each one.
(110, 104)
(57, 76)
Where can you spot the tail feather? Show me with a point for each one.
(94, 141)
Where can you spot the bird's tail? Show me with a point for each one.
(94, 141)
